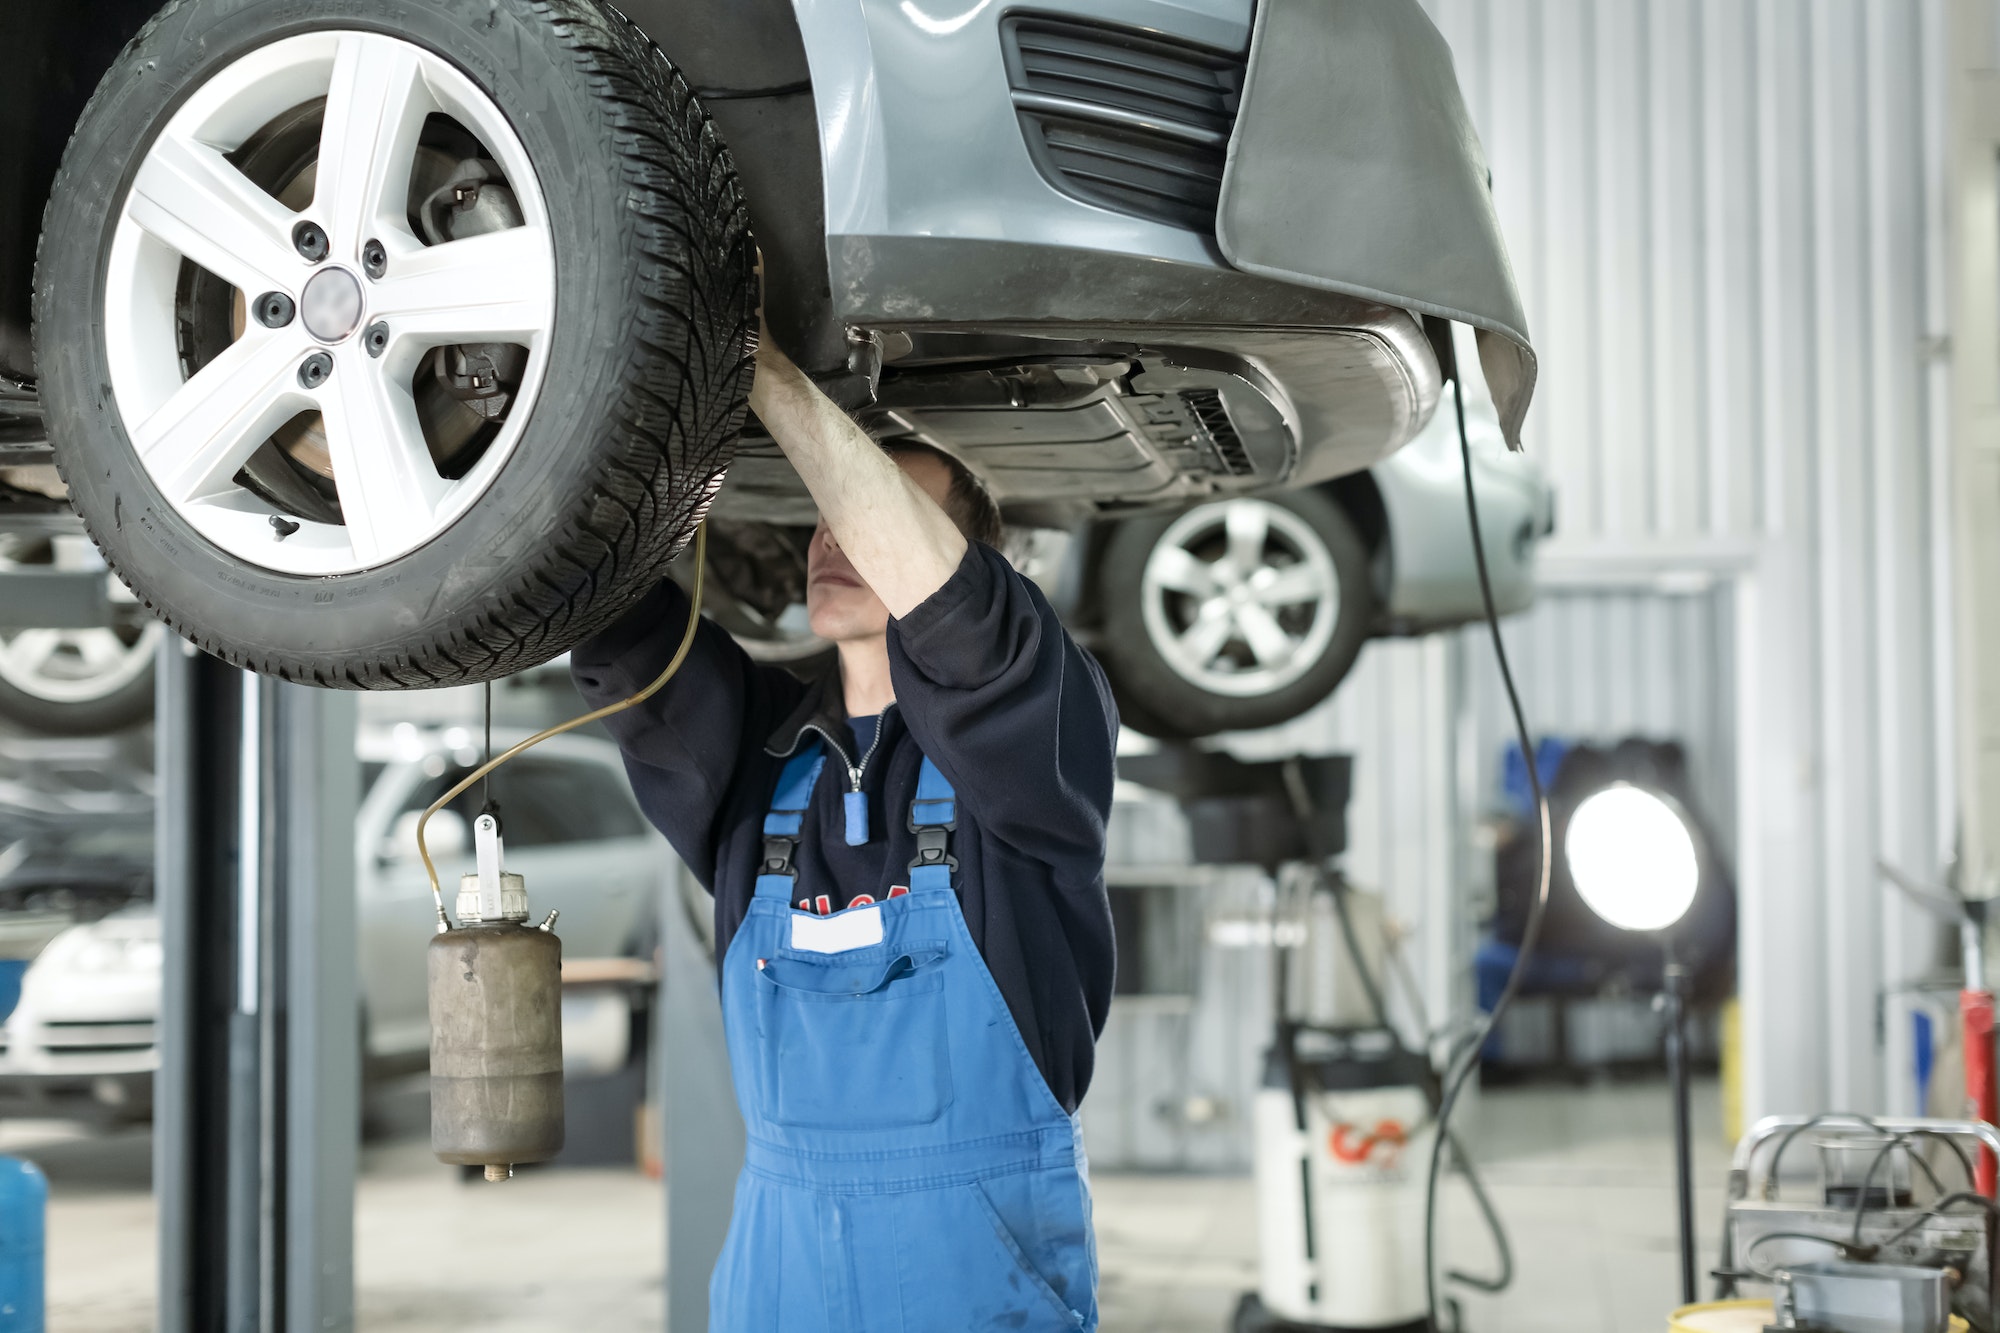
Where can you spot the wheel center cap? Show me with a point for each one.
(331, 304)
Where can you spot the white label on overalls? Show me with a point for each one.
(856, 928)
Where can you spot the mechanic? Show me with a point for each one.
(907, 860)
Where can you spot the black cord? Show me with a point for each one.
(1903, 1141)
(486, 783)
(1840, 1247)
(1778, 1154)
(1937, 1210)
(1459, 1067)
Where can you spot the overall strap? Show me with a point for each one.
(784, 819)
(933, 815)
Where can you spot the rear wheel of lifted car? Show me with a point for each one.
(387, 345)
(75, 682)
(1233, 615)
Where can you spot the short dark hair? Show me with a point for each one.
(969, 503)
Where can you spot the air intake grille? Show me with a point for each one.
(1205, 405)
(1123, 119)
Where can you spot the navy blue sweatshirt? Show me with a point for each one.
(993, 689)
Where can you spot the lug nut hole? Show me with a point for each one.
(374, 259)
(314, 370)
(376, 338)
(310, 240)
(274, 310)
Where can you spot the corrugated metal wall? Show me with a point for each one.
(1724, 220)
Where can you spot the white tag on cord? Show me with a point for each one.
(486, 849)
(856, 928)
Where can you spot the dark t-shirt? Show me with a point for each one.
(992, 688)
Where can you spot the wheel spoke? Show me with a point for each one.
(375, 110)
(192, 199)
(100, 649)
(29, 651)
(493, 288)
(1247, 524)
(1181, 570)
(1290, 586)
(1269, 643)
(201, 435)
(389, 486)
(1202, 640)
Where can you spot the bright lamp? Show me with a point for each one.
(1632, 858)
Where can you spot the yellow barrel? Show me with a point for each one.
(1740, 1317)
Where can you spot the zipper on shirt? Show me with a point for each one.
(854, 804)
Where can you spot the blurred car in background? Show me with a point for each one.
(81, 1039)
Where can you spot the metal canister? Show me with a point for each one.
(496, 1045)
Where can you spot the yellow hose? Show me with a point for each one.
(680, 655)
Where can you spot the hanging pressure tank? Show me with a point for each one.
(496, 1024)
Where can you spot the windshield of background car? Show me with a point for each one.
(544, 801)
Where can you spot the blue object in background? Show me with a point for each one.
(11, 971)
(1549, 754)
(1923, 1047)
(24, 1206)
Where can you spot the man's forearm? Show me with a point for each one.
(900, 541)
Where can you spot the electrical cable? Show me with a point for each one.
(674, 665)
(1938, 1210)
(1840, 1247)
(1902, 1140)
(1459, 1067)
(1828, 1117)
(1372, 990)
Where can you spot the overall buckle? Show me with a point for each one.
(778, 855)
(933, 848)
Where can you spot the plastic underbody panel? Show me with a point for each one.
(1023, 200)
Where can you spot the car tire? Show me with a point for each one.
(75, 682)
(1188, 655)
(603, 256)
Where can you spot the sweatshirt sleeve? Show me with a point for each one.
(1012, 711)
(683, 747)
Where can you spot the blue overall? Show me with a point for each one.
(907, 1168)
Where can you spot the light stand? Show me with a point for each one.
(1632, 859)
(1675, 1006)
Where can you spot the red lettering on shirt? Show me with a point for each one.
(824, 905)
(862, 900)
(899, 890)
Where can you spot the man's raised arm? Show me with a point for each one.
(901, 542)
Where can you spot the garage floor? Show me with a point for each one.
(1582, 1176)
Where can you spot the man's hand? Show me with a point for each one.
(899, 540)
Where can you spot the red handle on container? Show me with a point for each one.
(1975, 1011)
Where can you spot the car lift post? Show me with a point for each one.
(257, 1105)
(704, 1129)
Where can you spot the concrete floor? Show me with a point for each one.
(1582, 1177)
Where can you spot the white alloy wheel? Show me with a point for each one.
(341, 306)
(1240, 598)
(75, 666)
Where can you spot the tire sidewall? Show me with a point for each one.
(1155, 698)
(441, 587)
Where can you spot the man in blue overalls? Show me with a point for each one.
(907, 860)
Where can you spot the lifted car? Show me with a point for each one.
(383, 345)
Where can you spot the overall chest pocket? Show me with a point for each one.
(854, 1040)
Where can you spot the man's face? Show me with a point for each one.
(839, 606)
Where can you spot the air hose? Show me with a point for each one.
(1459, 1065)
(680, 656)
